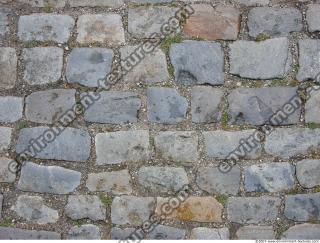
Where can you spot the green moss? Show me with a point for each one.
(225, 118)
(21, 124)
(106, 200)
(262, 37)
(6, 222)
(316, 189)
(256, 84)
(293, 191)
(281, 228)
(48, 8)
(167, 42)
(313, 125)
(222, 199)
(170, 70)
(80, 222)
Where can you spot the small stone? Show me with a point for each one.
(84, 232)
(96, 3)
(252, 232)
(85, 206)
(163, 232)
(7, 175)
(166, 105)
(8, 67)
(202, 233)
(100, 28)
(33, 209)
(302, 232)
(48, 179)
(8, 233)
(313, 17)
(253, 2)
(308, 172)
(122, 146)
(207, 68)
(4, 21)
(312, 109)
(127, 233)
(11, 108)
(5, 138)
(44, 3)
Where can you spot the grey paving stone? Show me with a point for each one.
(302, 207)
(45, 27)
(177, 146)
(163, 232)
(50, 105)
(122, 146)
(8, 67)
(127, 233)
(114, 107)
(8, 233)
(115, 182)
(313, 17)
(288, 142)
(44, 3)
(308, 172)
(55, 143)
(253, 2)
(202, 233)
(207, 68)
(1, 202)
(85, 206)
(260, 60)
(150, 1)
(84, 232)
(312, 109)
(100, 28)
(87, 66)
(11, 108)
(33, 209)
(302, 232)
(165, 105)
(96, 3)
(131, 210)
(148, 68)
(5, 138)
(253, 209)
(162, 179)
(252, 232)
(6, 174)
(4, 21)
(211, 180)
(274, 21)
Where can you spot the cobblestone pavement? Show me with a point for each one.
(167, 123)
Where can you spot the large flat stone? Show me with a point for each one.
(5, 138)
(84, 232)
(127, 233)
(312, 108)
(11, 108)
(8, 67)
(6, 174)
(8, 233)
(302, 232)
(4, 21)
(252, 232)
(308, 172)
(313, 17)
(163, 232)
(202, 233)
(96, 3)
(1, 202)
(44, 3)
(253, 2)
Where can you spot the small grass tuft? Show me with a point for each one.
(21, 125)
(106, 200)
(6, 222)
(313, 125)
(262, 37)
(48, 8)
(80, 222)
(293, 191)
(224, 118)
(222, 199)
(316, 189)
(167, 42)
(170, 70)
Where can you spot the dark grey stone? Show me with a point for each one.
(252, 232)
(84, 232)
(302, 232)
(8, 67)
(308, 172)
(202, 233)
(11, 108)
(127, 233)
(313, 17)
(8, 233)
(163, 232)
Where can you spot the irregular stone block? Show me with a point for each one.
(96, 3)
(308, 172)
(84, 232)
(202, 233)
(44, 3)
(11, 108)
(252, 232)
(6, 173)
(312, 109)
(302, 232)
(163, 232)
(5, 138)
(1, 202)
(253, 2)
(8, 233)
(313, 17)
(4, 21)
(8, 66)
(127, 233)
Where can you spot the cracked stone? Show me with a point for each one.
(252, 232)
(6, 174)
(202, 233)
(308, 172)
(84, 232)
(313, 17)
(8, 67)
(5, 138)
(312, 109)
(11, 108)
(302, 232)
(8, 233)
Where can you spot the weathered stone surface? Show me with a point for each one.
(269, 177)
(313, 17)
(260, 60)
(50, 105)
(312, 108)
(253, 209)
(6, 174)
(131, 210)
(44, 3)
(101, 28)
(85, 206)
(1, 202)
(198, 209)
(114, 107)
(4, 21)
(33, 209)
(5, 138)
(308, 172)
(302, 207)
(68, 144)
(253, 2)
(211, 180)
(165, 105)
(202, 233)
(127, 233)
(8, 233)
(148, 68)
(207, 68)
(163, 232)
(48, 179)
(122, 146)
(288, 142)
(96, 3)
(8, 67)
(302, 232)
(219, 144)
(11, 108)
(115, 182)
(150, 1)
(252, 232)
(84, 232)
(179, 146)
(45, 27)
(87, 66)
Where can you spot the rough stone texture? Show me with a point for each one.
(43, 65)
(6, 174)
(313, 17)
(260, 60)
(5, 138)
(71, 144)
(126, 233)
(1, 202)
(163, 232)
(8, 66)
(220, 23)
(180, 146)
(308, 172)
(302, 207)
(48, 179)
(253, 2)
(254, 210)
(165, 105)
(269, 177)
(150, 1)
(131, 210)
(96, 3)
(122, 146)
(11, 108)
(255, 233)
(115, 182)
(302, 232)
(202, 233)
(50, 105)
(258, 106)
(219, 144)
(211, 180)
(33, 209)
(45, 27)
(100, 28)
(207, 68)
(274, 21)
(288, 142)
(4, 21)
(114, 107)
(85, 206)
(44, 3)
(312, 108)
(162, 179)
(84, 232)
(86, 66)
(8, 233)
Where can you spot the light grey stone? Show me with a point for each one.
(6, 173)
(33, 209)
(84, 232)
(58, 143)
(313, 17)
(207, 68)
(260, 60)
(1, 202)
(85, 206)
(96, 3)
(5, 138)
(4, 21)
(202, 233)
(45, 27)
(122, 146)
(165, 105)
(48, 179)
(312, 108)
(302, 232)
(8, 233)
(8, 67)
(308, 172)
(163, 232)
(252, 232)
(87, 66)
(11, 108)
(150, 1)
(253, 210)
(127, 233)
(44, 3)
(253, 2)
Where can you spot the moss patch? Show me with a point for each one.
(313, 125)
(6, 222)
(167, 42)
(262, 37)
(106, 200)
(222, 199)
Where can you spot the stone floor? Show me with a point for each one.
(199, 119)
